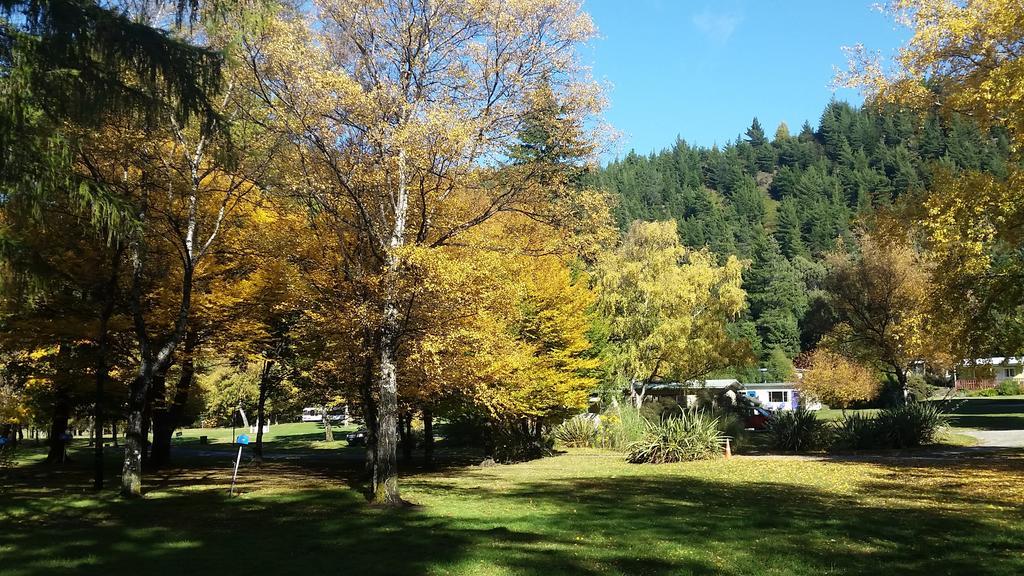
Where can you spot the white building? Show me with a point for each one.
(779, 396)
(982, 373)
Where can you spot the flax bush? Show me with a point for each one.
(689, 436)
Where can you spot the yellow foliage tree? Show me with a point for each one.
(667, 307)
(837, 381)
(964, 58)
(881, 295)
(409, 120)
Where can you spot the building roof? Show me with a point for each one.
(770, 386)
(994, 361)
(718, 384)
(714, 383)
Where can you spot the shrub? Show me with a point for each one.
(798, 431)
(908, 425)
(857, 432)
(732, 426)
(577, 432)
(463, 430)
(512, 444)
(918, 387)
(690, 436)
(984, 392)
(658, 408)
(621, 425)
(1008, 388)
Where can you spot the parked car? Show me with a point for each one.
(758, 419)
(357, 438)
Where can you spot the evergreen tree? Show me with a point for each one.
(856, 160)
(755, 134)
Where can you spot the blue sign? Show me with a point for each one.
(751, 394)
(66, 437)
(243, 440)
(3, 440)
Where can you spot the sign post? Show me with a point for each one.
(243, 441)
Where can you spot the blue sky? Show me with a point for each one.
(702, 70)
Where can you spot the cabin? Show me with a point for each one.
(772, 395)
(779, 396)
(982, 373)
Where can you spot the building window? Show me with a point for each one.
(1008, 372)
(778, 395)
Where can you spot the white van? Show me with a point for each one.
(335, 415)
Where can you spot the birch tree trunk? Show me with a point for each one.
(385, 477)
(134, 443)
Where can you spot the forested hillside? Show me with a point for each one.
(783, 202)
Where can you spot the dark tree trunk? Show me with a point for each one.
(428, 437)
(407, 439)
(157, 389)
(57, 453)
(11, 432)
(167, 420)
(154, 359)
(113, 431)
(488, 439)
(369, 413)
(260, 409)
(902, 379)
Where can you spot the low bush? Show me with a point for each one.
(1009, 388)
(463, 430)
(510, 444)
(984, 392)
(798, 431)
(577, 432)
(621, 425)
(690, 436)
(908, 425)
(856, 432)
(732, 426)
(918, 387)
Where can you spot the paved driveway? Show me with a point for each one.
(998, 438)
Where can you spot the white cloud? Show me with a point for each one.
(717, 27)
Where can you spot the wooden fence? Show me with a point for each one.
(974, 384)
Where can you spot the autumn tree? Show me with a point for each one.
(667, 307)
(963, 60)
(407, 115)
(881, 297)
(836, 380)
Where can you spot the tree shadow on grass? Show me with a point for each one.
(202, 531)
(987, 413)
(781, 528)
(907, 518)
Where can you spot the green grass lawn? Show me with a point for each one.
(980, 413)
(584, 512)
(287, 436)
(991, 413)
